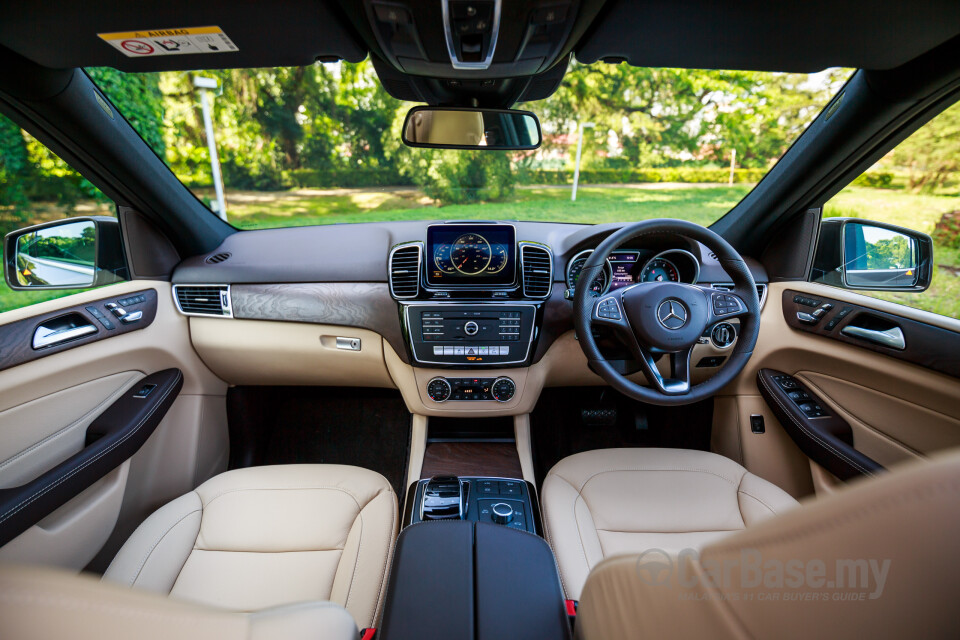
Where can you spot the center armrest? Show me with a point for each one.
(459, 579)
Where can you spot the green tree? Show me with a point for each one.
(932, 153)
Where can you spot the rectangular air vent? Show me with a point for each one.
(404, 270)
(203, 299)
(761, 291)
(536, 268)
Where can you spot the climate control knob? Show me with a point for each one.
(439, 390)
(503, 389)
(502, 513)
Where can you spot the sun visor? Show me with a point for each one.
(760, 35)
(178, 34)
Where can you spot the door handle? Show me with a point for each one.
(54, 334)
(892, 337)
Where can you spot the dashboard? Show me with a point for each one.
(489, 297)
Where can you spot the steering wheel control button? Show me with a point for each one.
(608, 309)
(724, 303)
(439, 390)
(503, 389)
(672, 314)
(471, 328)
(723, 335)
(501, 513)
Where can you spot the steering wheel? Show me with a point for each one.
(654, 318)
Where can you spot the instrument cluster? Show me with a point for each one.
(625, 267)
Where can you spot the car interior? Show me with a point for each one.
(479, 428)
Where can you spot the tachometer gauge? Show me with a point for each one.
(471, 254)
(660, 270)
(498, 259)
(600, 283)
(441, 258)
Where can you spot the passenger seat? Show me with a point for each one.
(261, 537)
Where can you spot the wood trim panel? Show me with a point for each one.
(16, 338)
(348, 304)
(471, 459)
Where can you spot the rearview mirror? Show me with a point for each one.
(873, 256)
(76, 253)
(464, 128)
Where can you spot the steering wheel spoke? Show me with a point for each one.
(723, 305)
(678, 383)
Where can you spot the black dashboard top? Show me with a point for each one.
(359, 252)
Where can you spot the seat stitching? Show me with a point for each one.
(925, 493)
(356, 500)
(386, 562)
(816, 437)
(549, 538)
(156, 543)
(27, 501)
(652, 470)
(750, 495)
(583, 547)
(356, 562)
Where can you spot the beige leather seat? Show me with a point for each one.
(607, 502)
(877, 559)
(39, 603)
(261, 537)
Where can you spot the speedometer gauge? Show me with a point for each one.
(600, 283)
(471, 254)
(660, 270)
(441, 258)
(498, 259)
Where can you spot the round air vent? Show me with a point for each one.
(217, 258)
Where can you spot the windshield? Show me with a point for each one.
(321, 144)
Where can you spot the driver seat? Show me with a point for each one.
(608, 502)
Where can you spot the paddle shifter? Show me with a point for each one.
(444, 498)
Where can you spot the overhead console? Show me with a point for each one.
(476, 38)
(471, 295)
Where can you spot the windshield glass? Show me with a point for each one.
(321, 144)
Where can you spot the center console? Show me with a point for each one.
(471, 296)
(472, 581)
(470, 334)
(501, 501)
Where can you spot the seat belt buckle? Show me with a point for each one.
(571, 607)
(368, 634)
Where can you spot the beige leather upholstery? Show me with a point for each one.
(607, 502)
(260, 537)
(38, 603)
(891, 540)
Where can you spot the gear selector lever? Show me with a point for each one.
(444, 498)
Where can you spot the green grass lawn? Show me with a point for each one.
(594, 205)
(699, 203)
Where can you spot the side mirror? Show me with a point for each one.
(872, 256)
(76, 253)
(467, 128)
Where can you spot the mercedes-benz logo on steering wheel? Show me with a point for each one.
(672, 314)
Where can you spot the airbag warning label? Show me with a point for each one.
(170, 42)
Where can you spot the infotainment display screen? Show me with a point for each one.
(471, 254)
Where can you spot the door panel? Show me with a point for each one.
(37, 435)
(47, 403)
(898, 410)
